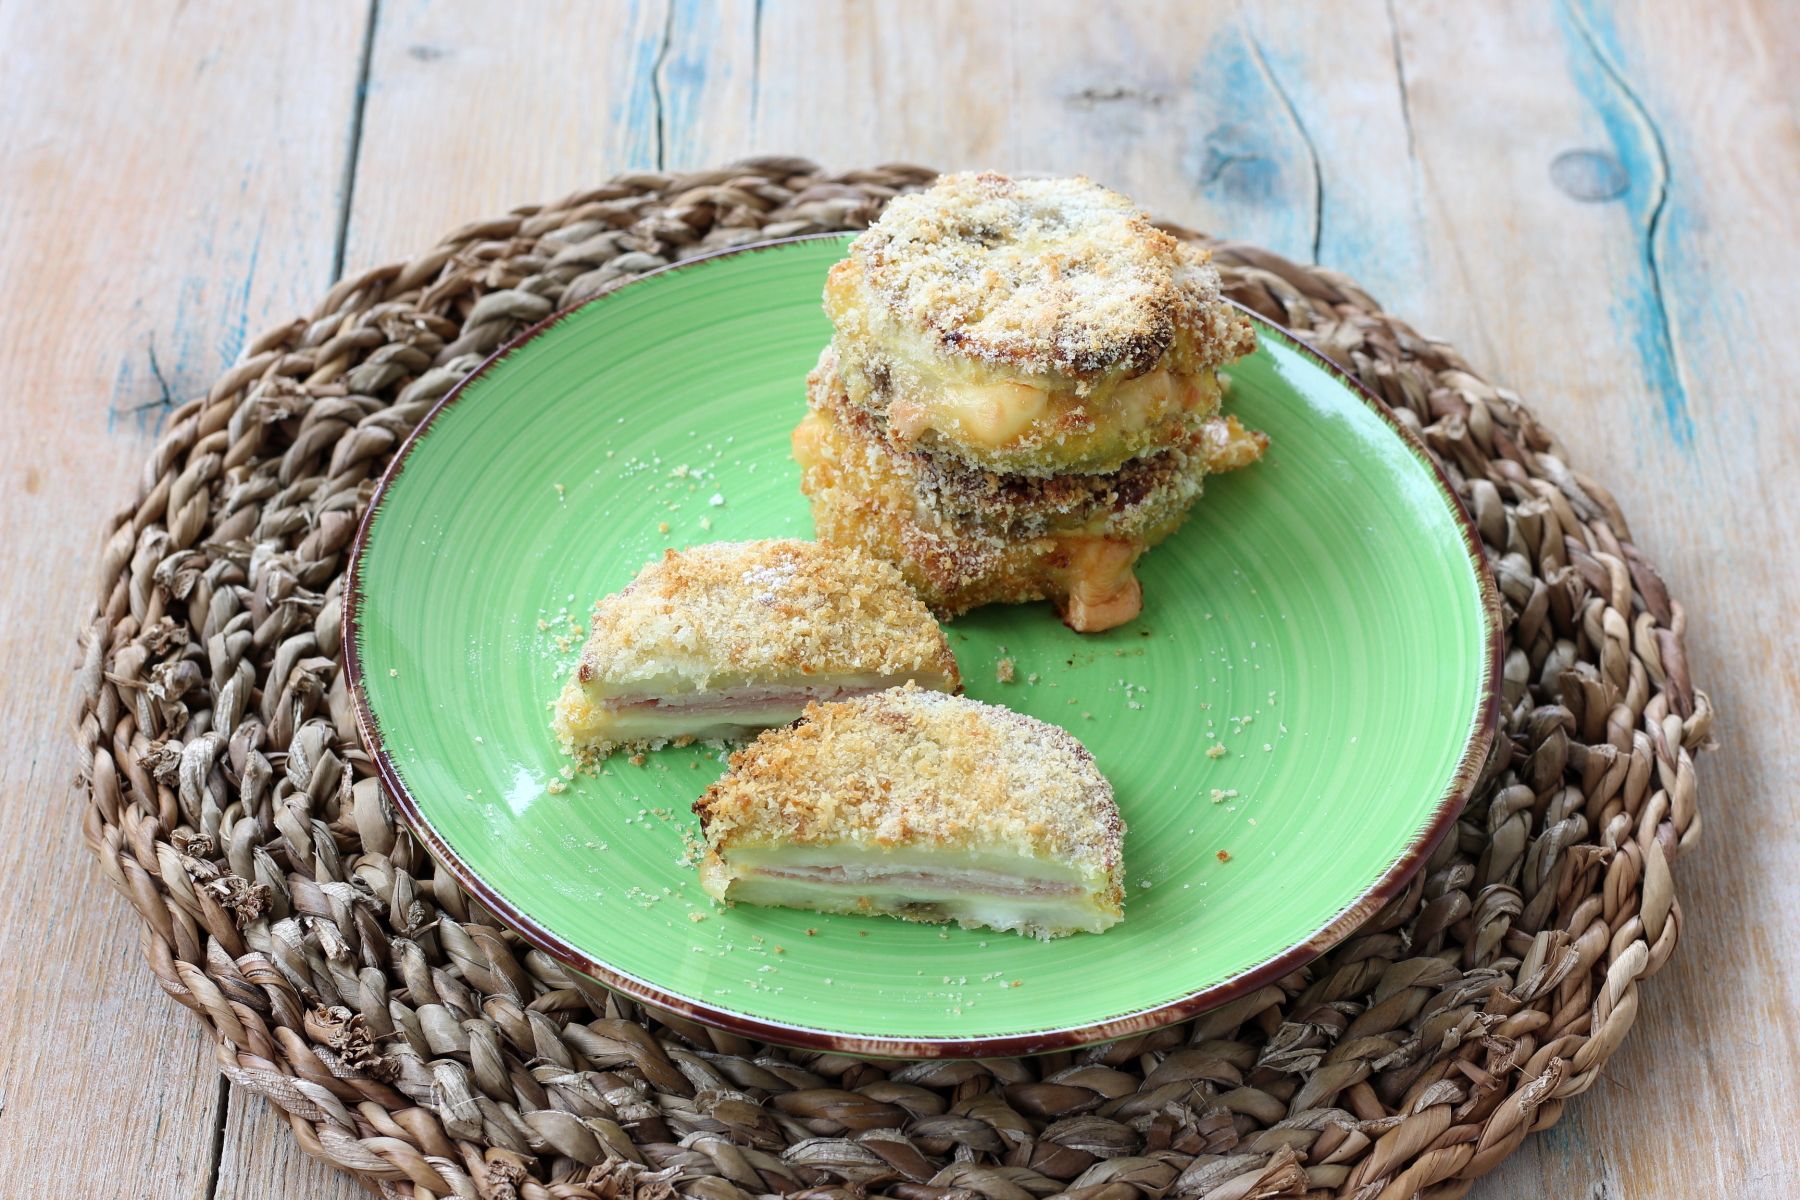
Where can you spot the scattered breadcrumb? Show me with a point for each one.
(1215, 751)
(696, 917)
(717, 500)
(662, 527)
(1003, 670)
(1223, 856)
(556, 787)
(393, 673)
(559, 490)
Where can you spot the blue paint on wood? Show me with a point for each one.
(640, 109)
(234, 326)
(693, 65)
(1245, 154)
(182, 364)
(1641, 308)
(1565, 1141)
(119, 402)
(1369, 230)
(141, 391)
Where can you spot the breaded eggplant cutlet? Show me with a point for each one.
(964, 538)
(1021, 394)
(919, 805)
(950, 488)
(725, 639)
(1035, 326)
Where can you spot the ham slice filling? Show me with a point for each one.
(919, 882)
(737, 699)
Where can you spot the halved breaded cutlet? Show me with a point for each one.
(923, 806)
(724, 639)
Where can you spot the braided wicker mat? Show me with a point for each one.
(412, 1040)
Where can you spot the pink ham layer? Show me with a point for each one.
(902, 881)
(724, 702)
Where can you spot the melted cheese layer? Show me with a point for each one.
(1019, 894)
(1030, 423)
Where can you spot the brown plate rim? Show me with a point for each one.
(1385, 887)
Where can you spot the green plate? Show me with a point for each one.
(1325, 617)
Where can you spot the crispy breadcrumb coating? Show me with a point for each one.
(1041, 277)
(965, 542)
(948, 488)
(1036, 327)
(914, 769)
(737, 612)
(744, 614)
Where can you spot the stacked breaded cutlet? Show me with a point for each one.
(1021, 394)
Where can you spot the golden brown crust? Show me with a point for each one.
(909, 768)
(953, 538)
(1020, 396)
(1040, 277)
(949, 488)
(958, 568)
(730, 613)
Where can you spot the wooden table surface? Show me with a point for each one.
(1596, 204)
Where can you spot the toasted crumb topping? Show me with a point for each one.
(734, 612)
(1042, 276)
(914, 768)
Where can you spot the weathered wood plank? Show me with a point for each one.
(1178, 104)
(1617, 200)
(171, 183)
(1342, 71)
(473, 108)
(261, 1158)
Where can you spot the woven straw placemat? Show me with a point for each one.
(412, 1040)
